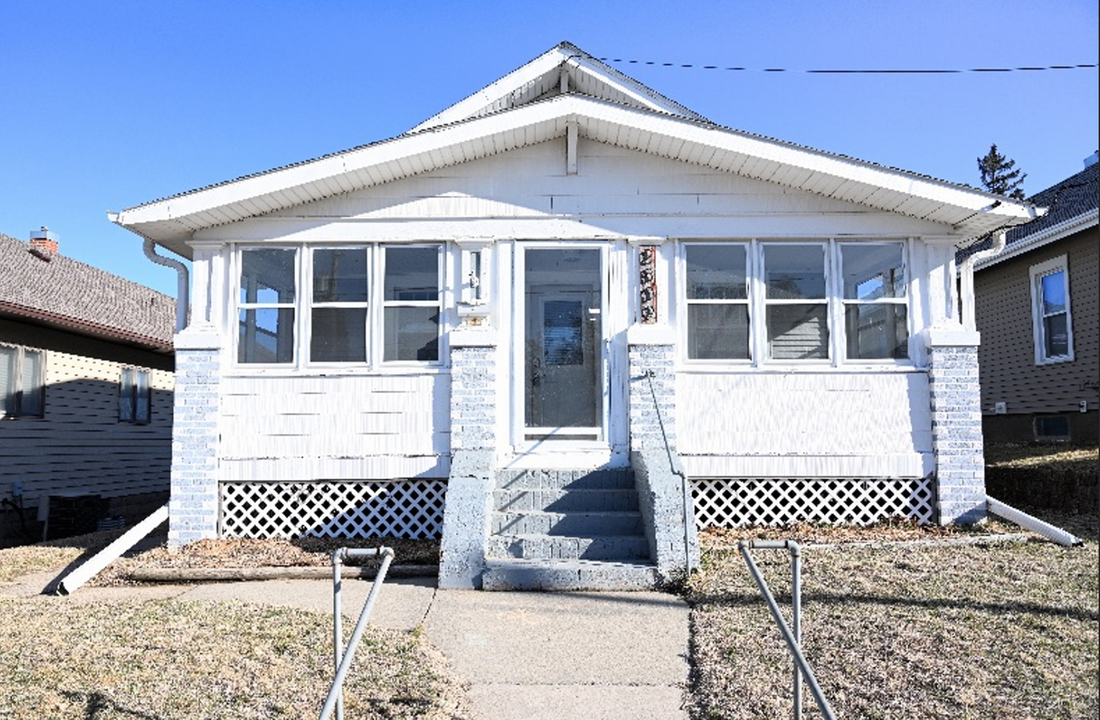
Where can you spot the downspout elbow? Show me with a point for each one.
(968, 310)
(182, 285)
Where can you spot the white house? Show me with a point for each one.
(528, 320)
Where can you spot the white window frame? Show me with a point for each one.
(1038, 327)
(303, 306)
(758, 304)
(135, 396)
(751, 291)
(17, 386)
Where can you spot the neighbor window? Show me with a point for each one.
(1052, 325)
(796, 306)
(875, 320)
(22, 390)
(717, 301)
(134, 397)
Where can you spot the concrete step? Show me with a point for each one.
(577, 524)
(567, 575)
(602, 479)
(521, 500)
(631, 548)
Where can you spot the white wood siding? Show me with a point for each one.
(527, 193)
(804, 424)
(330, 427)
(80, 447)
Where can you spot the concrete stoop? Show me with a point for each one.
(567, 530)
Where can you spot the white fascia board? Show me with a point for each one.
(469, 107)
(1051, 234)
(938, 193)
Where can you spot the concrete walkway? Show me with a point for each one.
(597, 656)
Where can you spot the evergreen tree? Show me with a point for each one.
(998, 175)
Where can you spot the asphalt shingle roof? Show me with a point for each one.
(64, 292)
(1068, 199)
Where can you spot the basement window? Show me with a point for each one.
(1052, 428)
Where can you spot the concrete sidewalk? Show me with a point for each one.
(597, 656)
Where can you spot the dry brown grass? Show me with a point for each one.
(169, 659)
(1052, 457)
(1002, 630)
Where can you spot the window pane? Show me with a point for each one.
(142, 401)
(267, 336)
(126, 395)
(876, 331)
(340, 275)
(1054, 293)
(1056, 335)
(412, 333)
(412, 274)
(718, 332)
(716, 272)
(339, 335)
(872, 272)
(31, 401)
(7, 380)
(794, 272)
(267, 275)
(798, 332)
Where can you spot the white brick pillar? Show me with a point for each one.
(652, 357)
(468, 507)
(193, 503)
(955, 397)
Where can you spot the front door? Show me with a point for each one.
(563, 353)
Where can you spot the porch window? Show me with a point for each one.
(266, 305)
(338, 316)
(22, 390)
(874, 297)
(717, 302)
(1052, 324)
(412, 304)
(796, 306)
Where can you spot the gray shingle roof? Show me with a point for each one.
(1068, 199)
(64, 292)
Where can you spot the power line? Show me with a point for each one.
(911, 71)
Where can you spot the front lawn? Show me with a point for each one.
(1002, 630)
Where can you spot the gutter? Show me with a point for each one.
(966, 280)
(183, 285)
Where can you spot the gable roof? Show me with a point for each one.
(1072, 205)
(533, 104)
(58, 291)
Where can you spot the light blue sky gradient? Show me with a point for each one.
(107, 105)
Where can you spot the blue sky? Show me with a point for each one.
(107, 105)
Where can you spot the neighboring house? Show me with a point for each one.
(513, 324)
(1036, 310)
(85, 392)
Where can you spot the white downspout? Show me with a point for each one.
(966, 281)
(183, 285)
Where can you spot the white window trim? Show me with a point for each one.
(1036, 275)
(750, 288)
(843, 303)
(758, 303)
(303, 306)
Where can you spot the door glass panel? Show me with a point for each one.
(563, 348)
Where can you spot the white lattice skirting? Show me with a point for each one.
(411, 509)
(746, 502)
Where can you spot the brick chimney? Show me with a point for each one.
(44, 240)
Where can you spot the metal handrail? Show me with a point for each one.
(793, 638)
(676, 468)
(335, 699)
